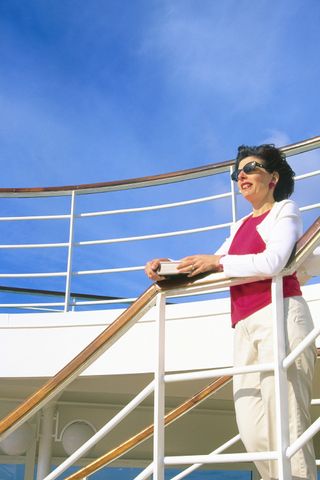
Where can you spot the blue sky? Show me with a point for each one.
(101, 90)
(107, 89)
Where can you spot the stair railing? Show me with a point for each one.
(157, 293)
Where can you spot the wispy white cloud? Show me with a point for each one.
(220, 49)
(277, 137)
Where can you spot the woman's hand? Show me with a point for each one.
(196, 264)
(152, 267)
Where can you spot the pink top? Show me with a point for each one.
(251, 297)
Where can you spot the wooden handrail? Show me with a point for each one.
(147, 432)
(180, 175)
(308, 235)
(32, 404)
(82, 361)
(99, 345)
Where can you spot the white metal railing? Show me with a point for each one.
(280, 366)
(74, 217)
(157, 386)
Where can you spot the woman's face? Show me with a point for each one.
(255, 185)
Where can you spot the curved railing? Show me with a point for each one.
(157, 293)
(141, 182)
(47, 256)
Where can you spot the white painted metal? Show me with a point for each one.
(299, 147)
(281, 363)
(280, 378)
(213, 373)
(109, 270)
(30, 458)
(101, 433)
(218, 372)
(28, 305)
(310, 338)
(45, 442)
(310, 207)
(146, 473)
(153, 207)
(307, 175)
(195, 466)
(159, 390)
(233, 198)
(32, 275)
(70, 253)
(156, 235)
(305, 437)
(35, 217)
(33, 245)
(221, 458)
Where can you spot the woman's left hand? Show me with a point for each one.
(196, 264)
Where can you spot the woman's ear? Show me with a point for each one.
(274, 180)
(275, 177)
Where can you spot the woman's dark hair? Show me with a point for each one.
(274, 161)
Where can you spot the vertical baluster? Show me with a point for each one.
(159, 391)
(70, 252)
(280, 377)
(233, 198)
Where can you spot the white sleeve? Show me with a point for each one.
(284, 234)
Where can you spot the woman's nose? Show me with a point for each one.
(241, 175)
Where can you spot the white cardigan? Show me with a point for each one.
(280, 231)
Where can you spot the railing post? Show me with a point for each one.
(233, 198)
(159, 390)
(70, 252)
(46, 439)
(280, 379)
(30, 458)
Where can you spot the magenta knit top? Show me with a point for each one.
(249, 298)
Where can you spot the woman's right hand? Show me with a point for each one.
(152, 267)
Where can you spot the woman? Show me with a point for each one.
(260, 245)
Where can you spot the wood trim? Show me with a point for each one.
(179, 175)
(147, 432)
(139, 182)
(77, 365)
(104, 340)
(308, 235)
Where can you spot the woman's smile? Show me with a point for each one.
(245, 185)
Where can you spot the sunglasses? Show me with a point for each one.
(248, 168)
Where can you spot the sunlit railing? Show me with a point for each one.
(280, 366)
(74, 245)
(158, 294)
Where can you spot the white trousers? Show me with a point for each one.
(254, 393)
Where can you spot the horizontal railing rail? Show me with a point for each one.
(172, 177)
(310, 240)
(305, 246)
(73, 247)
(140, 437)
